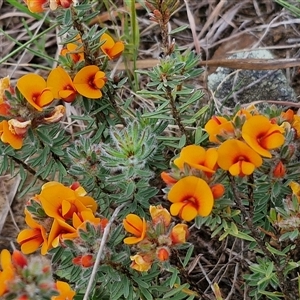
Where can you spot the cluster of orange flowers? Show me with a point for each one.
(154, 239)
(40, 93)
(24, 279)
(243, 142)
(56, 214)
(37, 6)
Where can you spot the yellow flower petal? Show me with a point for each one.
(192, 193)
(65, 291)
(218, 126)
(84, 82)
(133, 224)
(61, 84)
(190, 154)
(36, 6)
(197, 158)
(7, 136)
(261, 135)
(136, 226)
(236, 156)
(30, 240)
(34, 89)
(110, 48)
(108, 42)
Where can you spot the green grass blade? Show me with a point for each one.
(23, 46)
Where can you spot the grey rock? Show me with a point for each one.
(231, 86)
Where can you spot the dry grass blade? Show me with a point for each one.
(8, 190)
(193, 27)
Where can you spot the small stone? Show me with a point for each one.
(232, 87)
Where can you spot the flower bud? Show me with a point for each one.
(103, 223)
(218, 190)
(84, 261)
(141, 262)
(288, 115)
(19, 260)
(65, 3)
(179, 234)
(4, 109)
(279, 170)
(160, 215)
(163, 253)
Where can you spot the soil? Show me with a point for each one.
(221, 28)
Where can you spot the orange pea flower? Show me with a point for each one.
(197, 157)
(61, 85)
(111, 48)
(179, 234)
(238, 158)
(88, 82)
(32, 238)
(74, 51)
(65, 291)
(12, 132)
(261, 135)
(191, 196)
(8, 271)
(60, 202)
(218, 127)
(34, 89)
(160, 215)
(141, 262)
(136, 226)
(36, 6)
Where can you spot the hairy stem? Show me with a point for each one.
(176, 114)
(88, 57)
